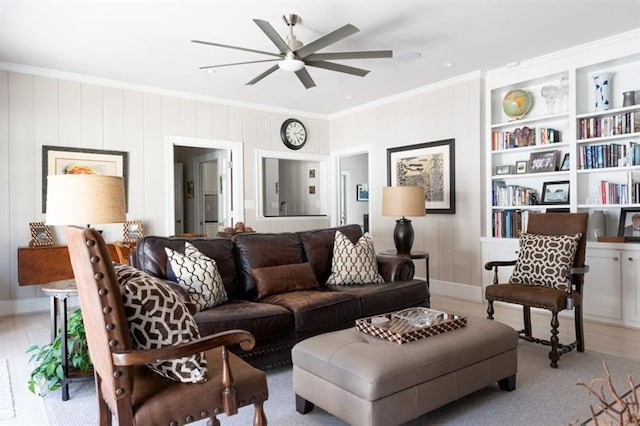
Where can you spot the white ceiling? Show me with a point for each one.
(148, 42)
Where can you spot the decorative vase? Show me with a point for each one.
(628, 98)
(598, 225)
(602, 85)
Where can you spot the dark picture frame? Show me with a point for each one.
(566, 161)
(60, 160)
(503, 170)
(522, 167)
(362, 192)
(555, 192)
(429, 164)
(625, 226)
(40, 235)
(543, 161)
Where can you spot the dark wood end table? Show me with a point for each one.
(416, 254)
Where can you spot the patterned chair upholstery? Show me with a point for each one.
(548, 274)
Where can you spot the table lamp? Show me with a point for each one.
(80, 199)
(403, 201)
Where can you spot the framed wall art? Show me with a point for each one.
(132, 230)
(555, 192)
(629, 226)
(431, 165)
(58, 160)
(40, 235)
(362, 192)
(543, 161)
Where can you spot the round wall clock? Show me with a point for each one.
(293, 133)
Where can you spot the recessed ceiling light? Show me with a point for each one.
(349, 97)
(409, 56)
(210, 71)
(447, 64)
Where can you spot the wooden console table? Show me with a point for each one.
(413, 255)
(42, 265)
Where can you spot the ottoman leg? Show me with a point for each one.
(508, 383)
(302, 405)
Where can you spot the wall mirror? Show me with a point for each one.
(292, 184)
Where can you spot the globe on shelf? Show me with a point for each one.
(517, 103)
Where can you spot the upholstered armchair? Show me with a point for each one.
(548, 274)
(126, 385)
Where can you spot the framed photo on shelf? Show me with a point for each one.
(132, 230)
(40, 235)
(543, 161)
(629, 226)
(565, 162)
(521, 167)
(555, 192)
(362, 192)
(59, 160)
(503, 170)
(431, 165)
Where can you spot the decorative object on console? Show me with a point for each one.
(597, 225)
(85, 199)
(40, 235)
(629, 226)
(517, 103)
(403, 201)
(602, 86)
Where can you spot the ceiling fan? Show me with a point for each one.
(293, 56)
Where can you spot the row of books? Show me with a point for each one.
(611, 125)
(513, 195)
(608, 155)
(524, 137)
(621, 193)
(509, 223)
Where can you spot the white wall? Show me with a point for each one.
(37, 110)
(451, 110)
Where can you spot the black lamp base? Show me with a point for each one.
(403, 236)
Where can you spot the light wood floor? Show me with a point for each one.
(17, 333)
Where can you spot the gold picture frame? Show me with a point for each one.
(132, 230)
(40, 235)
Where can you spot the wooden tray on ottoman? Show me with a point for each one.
(399, 331)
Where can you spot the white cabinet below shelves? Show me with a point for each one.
(630, 287)
(602, 284)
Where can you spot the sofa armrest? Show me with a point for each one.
(395, 268)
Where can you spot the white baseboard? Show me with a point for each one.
(24, 306)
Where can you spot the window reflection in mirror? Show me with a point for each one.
(293, 187)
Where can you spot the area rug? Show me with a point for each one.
(6, 398)
(543, 396)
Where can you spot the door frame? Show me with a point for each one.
(335, 186)
(237, 164)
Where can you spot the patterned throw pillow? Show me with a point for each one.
(354, 263)
(199, 275)
(545, 260)
(157, 318)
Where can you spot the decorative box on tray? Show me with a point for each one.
(410, 324)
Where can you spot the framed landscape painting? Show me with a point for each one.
(431, 165)
(59, 160)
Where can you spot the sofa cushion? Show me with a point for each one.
(354, 263)
(318, 309)
(284, 278)
(386, 297)
(157, 318)
(318, 247)
(545, 260)
(199, 275)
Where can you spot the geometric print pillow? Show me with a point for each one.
(545, 260)
(157, 318)
(354, 263)
(199, 275)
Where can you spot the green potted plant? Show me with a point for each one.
(47, 374)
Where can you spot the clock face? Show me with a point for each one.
(293, 134)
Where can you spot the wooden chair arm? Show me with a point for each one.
(579, 270)
(145, 356)
(495, 264)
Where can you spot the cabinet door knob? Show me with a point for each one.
(631, 259)
(615, 258)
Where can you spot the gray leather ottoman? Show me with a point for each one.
(365, 380)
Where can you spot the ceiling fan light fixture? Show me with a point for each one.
(291, 65)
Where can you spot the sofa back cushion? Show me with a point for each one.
(152, 259)
(318, 247)
(262, 250)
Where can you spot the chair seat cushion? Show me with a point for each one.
(531, 295)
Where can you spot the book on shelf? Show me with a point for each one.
(633, 187)
(509, 223)
(609, 125)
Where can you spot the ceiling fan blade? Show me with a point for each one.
(236, 47)
(324, 41)
(338, 67)
(263, 75)
(305, 78)
(273, 35)
(237, 63)
(350, 55)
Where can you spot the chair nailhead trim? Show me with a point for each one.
(173, 423)
(119, 392)
(103, 292)
(91, 243)
(98, 276)
(204, 414)
(95, 259)
(217, 410)
(113, 343)
(106, 309)
(188, 419)
(117, 374)
(110, 327)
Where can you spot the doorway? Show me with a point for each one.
(351, 169)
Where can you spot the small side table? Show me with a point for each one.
(60, 292)
(413, 255)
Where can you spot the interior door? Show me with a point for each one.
(178, 185)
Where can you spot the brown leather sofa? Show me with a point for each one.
(281, 320)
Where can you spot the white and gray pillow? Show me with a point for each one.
(354, 263)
